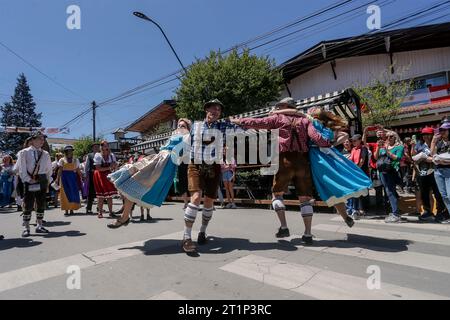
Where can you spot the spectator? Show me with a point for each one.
(388, 157)
(347, 150)
(6, 181)
(406, 166)
(440, 150)
(360, 156)
(381, 134)
(89, 169)
(228, 177)
(426, 181)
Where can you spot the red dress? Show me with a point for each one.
(103, 187)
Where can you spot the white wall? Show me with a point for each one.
(362, 69)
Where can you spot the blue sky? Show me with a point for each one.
(114, 51)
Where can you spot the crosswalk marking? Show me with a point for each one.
(317, 283)
(168, 295)
(386, 234)
(20, 277)
(403, 258)
(424, 226)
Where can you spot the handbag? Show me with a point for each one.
(384, 164)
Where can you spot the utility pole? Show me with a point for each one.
(94, 106)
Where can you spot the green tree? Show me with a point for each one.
(20, 112)
(242, 82)
(83, 146)
(383, 98)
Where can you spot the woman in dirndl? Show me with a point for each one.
(69, 180)
(335, 177)
(105, 163)
(147, 182)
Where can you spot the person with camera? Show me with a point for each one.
(35, 170)
(425, 179)
(388, 156)
(440, 150)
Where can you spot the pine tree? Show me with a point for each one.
(20, 112)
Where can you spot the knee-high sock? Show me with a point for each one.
(306, 209)
(278, 204)
(190, 213)
(206, 217)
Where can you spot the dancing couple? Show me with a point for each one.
(303, 139)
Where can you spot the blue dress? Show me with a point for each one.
(336, 178)
(148, 181)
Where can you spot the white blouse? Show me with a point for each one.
(98, 159)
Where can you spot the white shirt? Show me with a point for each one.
(27, 159)
(98, 159)
(62, 161)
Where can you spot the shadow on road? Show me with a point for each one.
(363, 242)
(215, 245)
(58, 234)
(8, 210)
(7, 243)
(153, 220)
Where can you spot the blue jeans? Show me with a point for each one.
(390, 181)
(442, 176)
(6, 189)
(353, 204)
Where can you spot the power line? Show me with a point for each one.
(40, 71)
(143, 88)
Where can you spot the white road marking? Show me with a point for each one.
(27, 275)
(385, 234)
(168, 295)
(318, 283)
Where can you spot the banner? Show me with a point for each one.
(47, 131)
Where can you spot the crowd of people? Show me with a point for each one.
(316, 153)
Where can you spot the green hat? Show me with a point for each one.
(213, 102)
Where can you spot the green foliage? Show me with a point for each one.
(241, 82)
(83, 146)
(20, 112)
(383, 97)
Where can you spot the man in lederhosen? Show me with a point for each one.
(203, 178)
(35, 170)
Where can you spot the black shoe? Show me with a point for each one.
(41, 230)
(1, 237)
(26, 233)
(149, 217)
(112, 215)
(308, 240)
(349, 221)
(19, 208)
(282, 233)
(66, 214)
(88, 211)
(142, 218)
(201, 238)
(426, 217)
(438, 218)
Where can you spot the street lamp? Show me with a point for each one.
(144, 17)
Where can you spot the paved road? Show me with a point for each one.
(243, 260)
